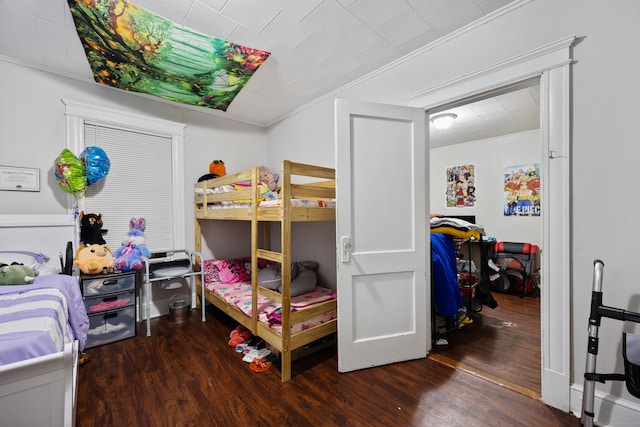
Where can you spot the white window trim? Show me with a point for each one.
(77, 113)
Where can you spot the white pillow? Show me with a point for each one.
(36, 261)
(28, 259)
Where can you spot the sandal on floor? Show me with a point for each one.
(83, 358)
(259, 365)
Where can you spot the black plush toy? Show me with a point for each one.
(91, 229)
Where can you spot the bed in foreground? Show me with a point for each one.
(43, 326)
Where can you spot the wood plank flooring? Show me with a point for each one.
(187, 375)
(501, 343)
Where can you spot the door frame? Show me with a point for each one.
(551, 64)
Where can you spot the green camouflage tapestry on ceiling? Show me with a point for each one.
(133, 49)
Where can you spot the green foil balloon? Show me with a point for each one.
(70, 172)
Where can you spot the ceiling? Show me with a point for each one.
(317, 46)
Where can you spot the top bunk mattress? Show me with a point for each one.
(314, 187)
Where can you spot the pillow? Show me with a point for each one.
(233, 270)
(270, 278)
(211, 272)
(26, 258)
(304, 282)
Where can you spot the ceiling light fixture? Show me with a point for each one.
(443, 121)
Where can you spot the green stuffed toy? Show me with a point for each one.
(16, 274)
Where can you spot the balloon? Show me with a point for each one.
(70, 172)
(96, 164)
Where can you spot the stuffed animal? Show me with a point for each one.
(133, 252)
(91, 229)
(269, 178)
(16, 274)
(94, 259)
(217, 167)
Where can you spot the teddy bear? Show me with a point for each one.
(94, 259)
(91, 229)
(16, 274)
(269, 178)
(133, 252)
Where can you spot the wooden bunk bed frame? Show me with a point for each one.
(286, 214)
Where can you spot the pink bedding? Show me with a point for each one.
(239, 295)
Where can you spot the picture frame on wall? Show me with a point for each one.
(19, 179)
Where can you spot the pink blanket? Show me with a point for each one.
(239, 295)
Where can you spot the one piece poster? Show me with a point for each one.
(461, 187)
(133, 49)
(522, 190)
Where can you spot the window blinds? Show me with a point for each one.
(139, 184)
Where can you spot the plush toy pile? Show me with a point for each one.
(16, 274)
(133, 252)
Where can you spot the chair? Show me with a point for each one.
(171, 264)
(517, 265)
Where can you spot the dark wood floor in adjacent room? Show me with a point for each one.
(501, 343)
(187, 375)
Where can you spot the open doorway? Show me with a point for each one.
(551, 64)
(490, 134)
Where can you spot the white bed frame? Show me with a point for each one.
(40, 391)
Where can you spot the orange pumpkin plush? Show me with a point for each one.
(217, 168)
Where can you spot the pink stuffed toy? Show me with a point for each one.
(269, 178)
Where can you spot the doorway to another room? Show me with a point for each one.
(491, 137)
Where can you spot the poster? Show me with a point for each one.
(132, 49)
(461, 187)
(522, 190)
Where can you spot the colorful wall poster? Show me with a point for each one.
(522, 190)
(461, 187)
(132, 49)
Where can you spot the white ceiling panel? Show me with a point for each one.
(209, 21)
(374, 13)
(403, 28)
(251, 13)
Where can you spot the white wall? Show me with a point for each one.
(489, 156)
(604, 138)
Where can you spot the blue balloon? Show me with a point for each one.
(96, 164)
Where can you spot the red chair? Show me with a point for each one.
(517, 268)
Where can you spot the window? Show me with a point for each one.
(145, 177)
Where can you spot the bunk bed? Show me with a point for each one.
(313, 199)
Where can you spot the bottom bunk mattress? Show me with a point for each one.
(40, 318)
(239, 295)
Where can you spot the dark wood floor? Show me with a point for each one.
(187, 375)
(501, 343)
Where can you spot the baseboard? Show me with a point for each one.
(609, 410)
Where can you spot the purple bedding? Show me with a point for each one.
(39, 318)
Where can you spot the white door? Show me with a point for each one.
(383, 245)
